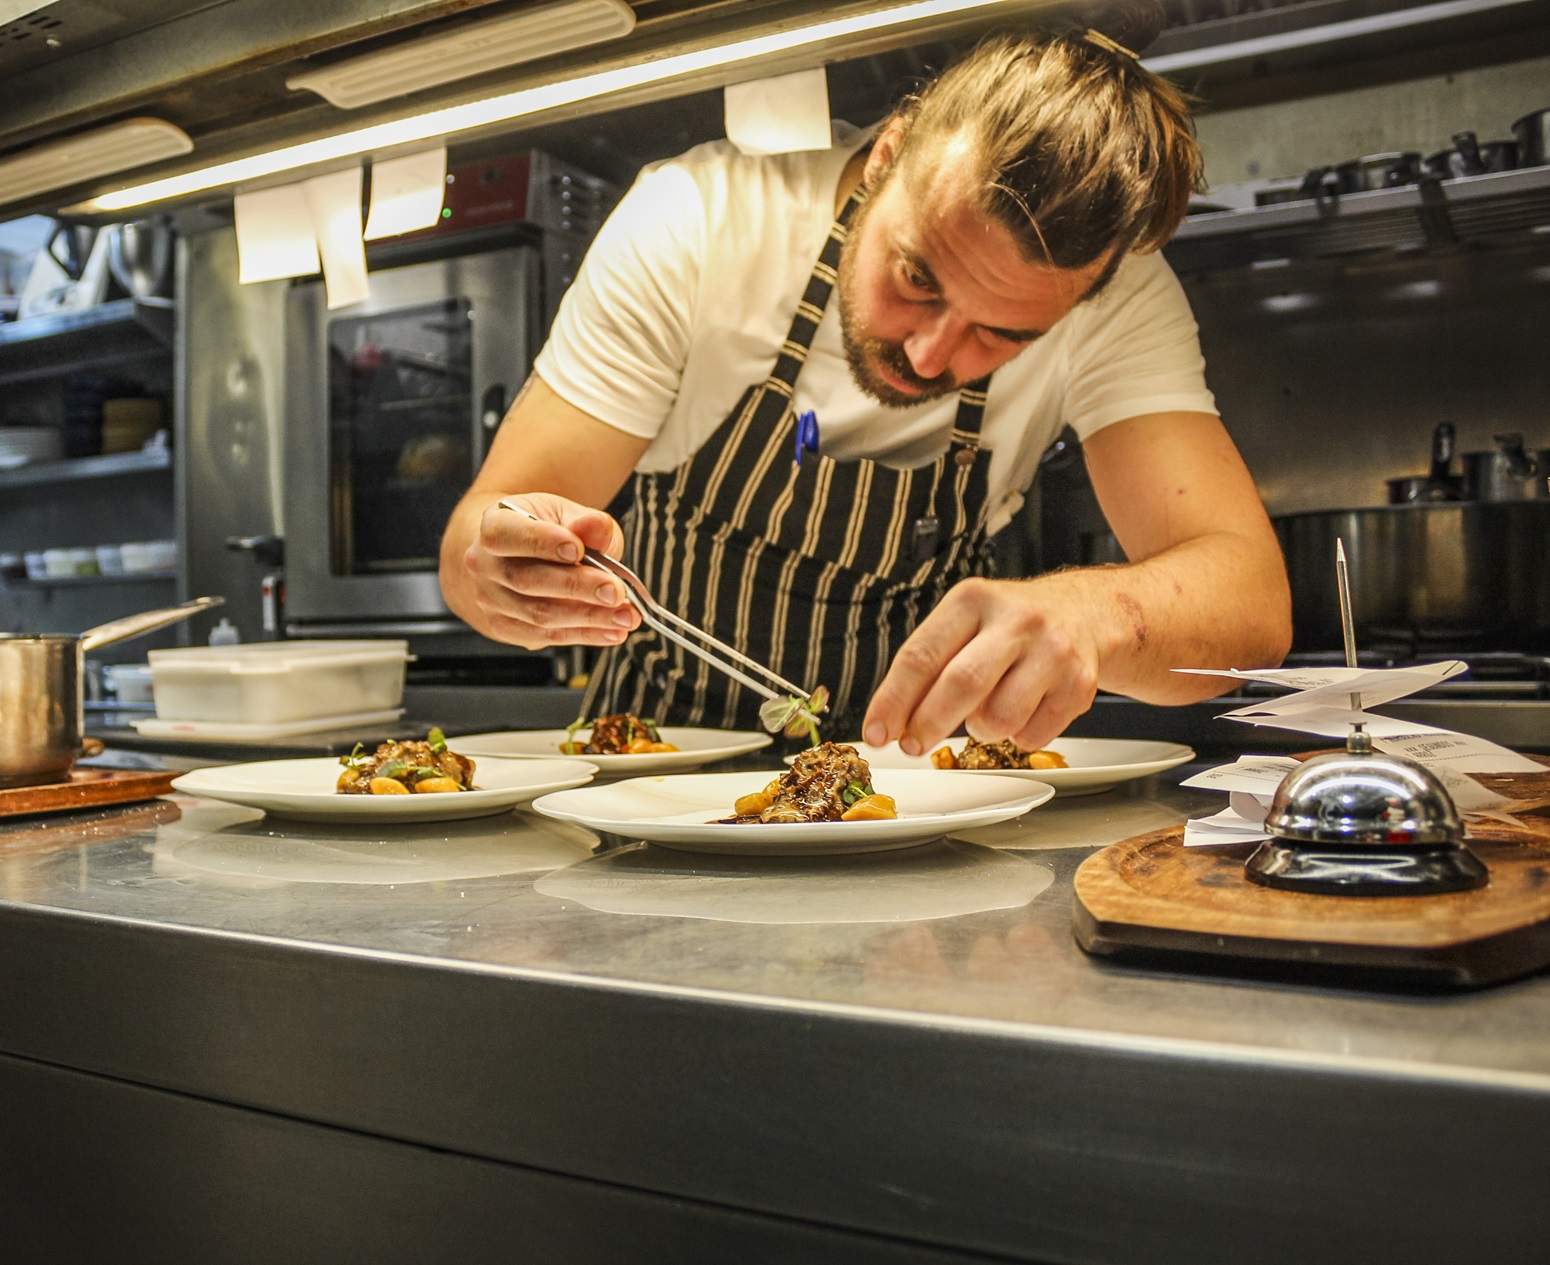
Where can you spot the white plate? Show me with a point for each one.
(226, 731)
(695, 747)
(304, 789)
(682, 812)
(1097, 764)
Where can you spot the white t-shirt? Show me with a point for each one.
(687, 292)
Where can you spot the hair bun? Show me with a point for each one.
(1134, 24)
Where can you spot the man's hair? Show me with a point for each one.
(1081, 151)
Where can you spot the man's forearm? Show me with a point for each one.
(1216, 601)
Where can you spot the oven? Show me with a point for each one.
(391, 403)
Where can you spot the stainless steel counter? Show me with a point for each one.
(896, 1057)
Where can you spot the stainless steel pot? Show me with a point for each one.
(1532, 132)
(1455, 575)
(1437, 484)
(1508, 472)
(40, 692)
(140, 256)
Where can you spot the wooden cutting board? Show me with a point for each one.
(1149, 898)
(86, 788)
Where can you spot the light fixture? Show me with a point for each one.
(426, 61)
(88, 155)
(451, 120)
(10, 10)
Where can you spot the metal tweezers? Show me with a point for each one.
(781, 707)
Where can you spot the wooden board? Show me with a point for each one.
(1152, 898)
(87, 788)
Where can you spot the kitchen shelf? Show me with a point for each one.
(1507, 208)
(63, 342)
(87, 581)
(109, 465)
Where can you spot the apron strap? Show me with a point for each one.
(814, 300)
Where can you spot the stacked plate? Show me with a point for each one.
(21, 444)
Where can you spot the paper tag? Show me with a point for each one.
(335, 203)
(780, 115)
(1258, 775)
(407, 193)
(1223, 827)
(275, 238)
(1442, 748)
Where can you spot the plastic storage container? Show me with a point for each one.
(274, 681)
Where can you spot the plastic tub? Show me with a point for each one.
(275, 681)
(131, 682)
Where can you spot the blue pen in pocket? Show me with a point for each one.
(806, 435)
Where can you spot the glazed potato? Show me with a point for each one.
(348, 781)
(943, 758)
(872, 808)
(436, 785)
(388, 786)
(749, 805)
(1046, 760)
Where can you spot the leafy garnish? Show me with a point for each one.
(651, 730)
(856, 790)
(581, 722)
(355, 759)
(437, 740)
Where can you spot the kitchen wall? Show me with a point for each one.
(1286, 138)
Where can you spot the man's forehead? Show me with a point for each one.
(942, 216)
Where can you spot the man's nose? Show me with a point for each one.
(932, 344)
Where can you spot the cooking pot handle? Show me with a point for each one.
(1442, 452)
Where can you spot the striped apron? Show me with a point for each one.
(819, 569)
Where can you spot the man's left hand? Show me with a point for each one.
(1011, 659)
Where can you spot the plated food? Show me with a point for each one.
(404, 768)
(1005, 754)
(691, 748)
(688, 811)
(621, 733)
(306, 790)
(829, 782)
(1090, 765)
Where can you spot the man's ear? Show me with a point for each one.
(884, 152)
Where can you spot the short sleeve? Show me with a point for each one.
(1138, 351)
(618, 344)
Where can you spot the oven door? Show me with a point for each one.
(391, 404)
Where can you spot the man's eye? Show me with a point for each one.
(913, 278)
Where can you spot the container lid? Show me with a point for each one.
(277, 656)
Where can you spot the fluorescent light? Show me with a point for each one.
(10, 10)
(451, 120)
(426, 61)
(88, 155)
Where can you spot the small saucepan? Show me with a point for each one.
(41, 718)
(1471, 156)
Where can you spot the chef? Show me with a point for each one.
(827, 378)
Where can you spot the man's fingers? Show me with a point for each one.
(1007, 709)
(1067, 700)
(508, 534)
(960, 688)
(543, 579)
(927, 650)
(532, 637)
(598, 531)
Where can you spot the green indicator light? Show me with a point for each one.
(446, 212)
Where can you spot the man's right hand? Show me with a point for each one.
(528, 582)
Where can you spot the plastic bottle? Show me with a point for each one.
(225, 633)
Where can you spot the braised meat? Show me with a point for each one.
(622, 733)
(395, 768)
(829, 782)
(997, 755)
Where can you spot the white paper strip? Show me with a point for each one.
(1258, 775)
(1442, 748)
(779, 115)
(1223, 827)
(407, 193)
(275, 238)
(335, 201)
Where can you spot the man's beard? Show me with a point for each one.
(862, 354)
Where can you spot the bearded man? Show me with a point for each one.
(829, 377)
